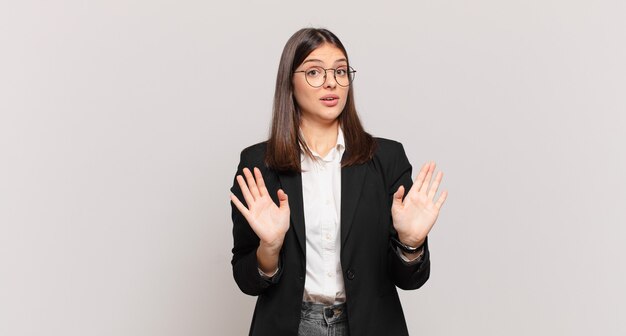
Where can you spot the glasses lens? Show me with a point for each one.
(344, 76)
(315, 76)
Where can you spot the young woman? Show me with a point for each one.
(324, 228)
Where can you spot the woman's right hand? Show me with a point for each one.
(269, 222)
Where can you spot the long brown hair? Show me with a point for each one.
(283, 146)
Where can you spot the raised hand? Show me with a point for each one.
(414, 217)
(267, 220)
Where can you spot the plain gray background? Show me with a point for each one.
(122, 122)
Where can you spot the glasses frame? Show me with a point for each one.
(351, 75)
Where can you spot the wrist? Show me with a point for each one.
(269, 250)
(411, 241)
(267, 259)
(405, 248)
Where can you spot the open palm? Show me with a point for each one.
(269, 221)
(414, 217)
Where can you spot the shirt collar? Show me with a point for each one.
(341, 142)
(340, 147)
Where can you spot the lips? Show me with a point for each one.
(330, 100)
(330, 97)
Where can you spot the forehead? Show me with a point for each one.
(326, 53)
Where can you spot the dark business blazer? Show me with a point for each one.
(371, 266)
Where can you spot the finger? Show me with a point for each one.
(251, 183)
(245, 191)
(435, 186)
(397, 196)
(419, 180)
(283, 200)
(260, 182)
(429, 177)
(442, 198)
(245, 212)
(242, 208)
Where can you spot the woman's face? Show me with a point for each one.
(321, 104)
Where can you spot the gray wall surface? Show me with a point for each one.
(121, 124)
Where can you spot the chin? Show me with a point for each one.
(325, 115)
(332, 116)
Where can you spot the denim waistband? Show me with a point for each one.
(330, 313)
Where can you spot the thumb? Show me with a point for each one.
(283, 199)
(397, 197)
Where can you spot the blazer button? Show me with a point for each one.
(350, 274)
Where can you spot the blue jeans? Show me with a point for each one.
(322, 320)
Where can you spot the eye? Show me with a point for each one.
(341, 71)
(313, 72)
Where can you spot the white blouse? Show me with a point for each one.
(321, 192)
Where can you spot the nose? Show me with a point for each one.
(330, 79)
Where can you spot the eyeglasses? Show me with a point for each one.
(316, 76)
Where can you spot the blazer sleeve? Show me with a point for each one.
(397, 171)
(245, 241)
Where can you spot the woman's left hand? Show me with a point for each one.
(414, 217)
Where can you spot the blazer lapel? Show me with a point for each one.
(292, 186)
(351, 185)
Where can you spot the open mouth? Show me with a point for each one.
(330, 100)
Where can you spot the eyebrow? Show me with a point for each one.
(316, 60)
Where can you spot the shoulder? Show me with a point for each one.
(254, 155)
(391, 162)
(256, 149)
(388, 150)
(387, 143)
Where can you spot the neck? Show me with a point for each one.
(320, 138)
